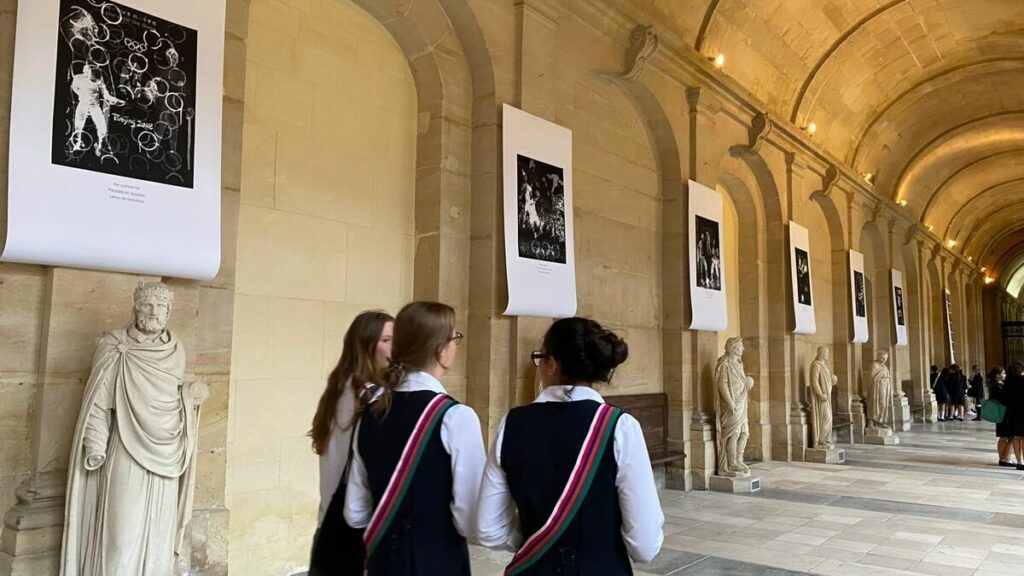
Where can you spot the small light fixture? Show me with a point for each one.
(901, 202)
(970, 258)
(950, 242)
(812, 128)
(984, 269)
(868, 177)
(989, 279)
(718, 61)
(930, 228)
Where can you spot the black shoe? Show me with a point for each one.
(1020, 466)
(941, 419)
(1007, 463)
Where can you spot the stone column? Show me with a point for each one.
(922, 400)
(702, 346)
(848, 412)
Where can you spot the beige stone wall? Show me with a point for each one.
(325, 231)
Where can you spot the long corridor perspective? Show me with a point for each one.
(936, 504)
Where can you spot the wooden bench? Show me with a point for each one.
(651, 410)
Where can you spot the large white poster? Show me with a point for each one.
(858, 297)
(539, 251)
(800, 273)
(707, 269)
(115, 140)
(899, 312)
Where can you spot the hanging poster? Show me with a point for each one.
(899, 312)
(116, 134)
(800, 273)
(858, 297)
(707, 270)
(949, 326)
(537, 184)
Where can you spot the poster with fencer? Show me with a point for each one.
(707, 267)
(899, 307)
(858, 297)
(800, 276)
(116, 135)
(538, 217)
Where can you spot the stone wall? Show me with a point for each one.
(326, 230)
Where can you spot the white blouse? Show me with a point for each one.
(642, 516)
(334, 459)
(462, 440)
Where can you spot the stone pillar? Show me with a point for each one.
(922, 400)
(847, 411)
(901, 413)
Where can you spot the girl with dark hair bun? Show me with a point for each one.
(418, 456)
(997, 392)
(568, 484)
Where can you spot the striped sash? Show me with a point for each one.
(575, 491)
(401, 478)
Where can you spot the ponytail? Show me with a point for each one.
(389, 379)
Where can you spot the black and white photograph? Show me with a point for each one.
(125, 93)
(860, 294)
(709, 255)
(541, 210)
(803, 277)
(899, 306)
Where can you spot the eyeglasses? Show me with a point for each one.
(537, 356)
(458, 337)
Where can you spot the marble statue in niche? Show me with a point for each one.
(132, 468)
(732, 385)
(879, 400)
(822, 381)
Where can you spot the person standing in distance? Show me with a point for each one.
(568, 446)
(337, 547)
(419, 456)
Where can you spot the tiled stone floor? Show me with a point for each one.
(934, 505)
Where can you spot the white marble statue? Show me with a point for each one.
(132, 469)
(732, 386)
(879, 400)
(822, 381)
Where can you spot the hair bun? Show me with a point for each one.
(605, 350)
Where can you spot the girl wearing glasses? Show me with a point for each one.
(419, 456)
(568, 483)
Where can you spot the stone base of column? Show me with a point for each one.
(700, 451)
(734, 485)
(33, 529)
(901, 413)
(881, 436)
(799, 432)
(825, 455)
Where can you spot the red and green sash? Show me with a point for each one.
(401, 478)
(575, 491)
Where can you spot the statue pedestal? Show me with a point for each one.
(825, 455)
(880, 436)
(901, 413)
(734, 485)
(34, 527)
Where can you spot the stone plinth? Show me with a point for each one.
(901, 413)
(880, 436)
(734, 485)
(825, 455)
(32, 531)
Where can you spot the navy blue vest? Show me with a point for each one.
(539, 449)
(422, 539)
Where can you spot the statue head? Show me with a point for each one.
(153, 303)
(734, 346)
(881, 356)
(823, 353)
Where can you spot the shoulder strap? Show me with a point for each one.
(575, 491)
(368, 393)
(401, 478)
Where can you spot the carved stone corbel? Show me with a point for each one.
(829, 179)
(761, 127)
(643, 44)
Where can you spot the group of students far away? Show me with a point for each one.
(406, 484)
(1006, 386)
(952, 389)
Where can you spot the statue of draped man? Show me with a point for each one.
(132, 468)
(822, 381)
(879, 400)
(732, 386)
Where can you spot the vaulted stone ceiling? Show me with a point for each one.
(926, 95)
